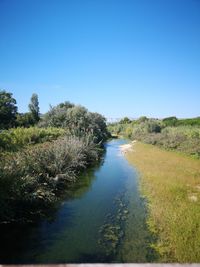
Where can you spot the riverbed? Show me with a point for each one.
(101, 219)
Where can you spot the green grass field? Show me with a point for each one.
(171, 184)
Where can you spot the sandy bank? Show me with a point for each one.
(127, 147)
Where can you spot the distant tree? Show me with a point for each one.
(97, 126)
(25, 120)
(66, 105)
(170, 121)
(34, 108)
(142, 119)
(78, 120)
(152, 126)
(187, 122)
(125, 120)
(56, 116)
(8, 110)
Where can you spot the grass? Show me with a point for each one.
(171, 184)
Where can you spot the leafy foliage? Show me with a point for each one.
(125, 120)
(8, 110)
(38, 162)
(189, 122)
(15, 139)
(56, 116)
(170, 121)
(34, 108)
(9, 117)
(24, 120)
(169, 133)
(76, 120)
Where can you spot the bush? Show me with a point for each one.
(153, 126)
(15, 139)
(170, 121)
(76, 120)
(30, 180)
(189, 122)
(151, 131)
(24, 120)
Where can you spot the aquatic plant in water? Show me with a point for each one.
(111, 233)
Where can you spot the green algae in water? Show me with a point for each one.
(137, 243)
(112, 231)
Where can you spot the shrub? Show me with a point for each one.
(125, 120)
(31, 179)
(142, 119)
(181, 138)
(189, 122)
(153, 126)
(170, 121)
(76, 120)
(15, 139)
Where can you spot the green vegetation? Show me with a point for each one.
(8, 110)
(9, 116)
(173, 121)
(17, 138)
(34, 108)
(169, 133)
(171, 184)
(38, 163)
(76, 120)
(33, 178)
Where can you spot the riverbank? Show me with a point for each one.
(171, 184)
(127, 147)
(170, 133)
(33, 179)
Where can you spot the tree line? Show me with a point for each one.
(9, 115)
(170, 133)
(75, 119)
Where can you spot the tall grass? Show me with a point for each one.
(171, 184)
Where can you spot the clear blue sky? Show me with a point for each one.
(116, 57)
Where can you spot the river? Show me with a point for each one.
(102, 219)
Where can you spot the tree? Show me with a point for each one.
(34, 108)
(170, 121)
(142, 119)
(66, 105)
(77, 120)
(125, 120)
(56, 116)
(24, 120)
(152, 126)
(8, 110)
(98, 126)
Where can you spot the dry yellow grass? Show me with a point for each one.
(171, 184)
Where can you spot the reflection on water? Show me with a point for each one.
(101, 219)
